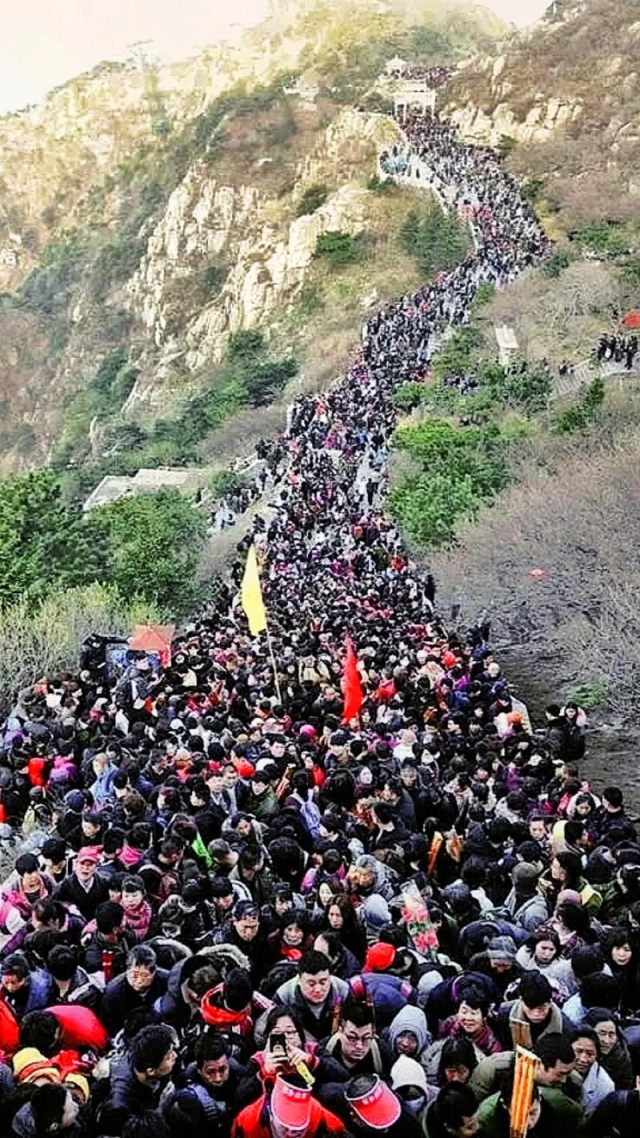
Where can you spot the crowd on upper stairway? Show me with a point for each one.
(432, 76)
(235, 911)
(618, 349)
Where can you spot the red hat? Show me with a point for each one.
(378, 1107)
(244, 768)
(290, 1105)
(379, 957)
(88, 853)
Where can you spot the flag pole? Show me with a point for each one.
(274, 666)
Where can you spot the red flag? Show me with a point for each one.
(352, 688)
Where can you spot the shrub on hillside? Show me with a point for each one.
(310, 301)
(114, 379)
(582, 414)
(604, 237)
(263, 381)
(44, 543)
(555, 264)
(525, 386)
(384, 186)
(506, 144)
(214, 278)
(460, 469)
(408, 396)
(338, 248)
(630, 272)
(245, 345)
(153, 543)
(48, 286)
(104, 396)
(225, 482)
(437, 240)
(311, 199)
(147, 547)
(457, 353)
(531, 190)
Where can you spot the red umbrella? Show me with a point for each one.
(154, 638)
(632, 320)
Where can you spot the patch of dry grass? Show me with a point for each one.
(562, 317)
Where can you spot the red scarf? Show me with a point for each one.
(138, 920)
(483, 1038)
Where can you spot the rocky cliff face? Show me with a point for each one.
(268, 250)
(53, 154)
(568, 92)
(541, 121)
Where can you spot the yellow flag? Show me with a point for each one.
(251, 595)
(526, 1068)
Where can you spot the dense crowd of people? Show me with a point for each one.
(269, 465)
(232, 910)
(433, 76)
(618, 349)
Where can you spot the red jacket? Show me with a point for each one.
(9, 1030)
(253, 1122)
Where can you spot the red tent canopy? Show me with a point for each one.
(632, 320)
(154, 638)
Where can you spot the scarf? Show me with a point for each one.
(223, 1019)
(138, 920)
(483, 1038)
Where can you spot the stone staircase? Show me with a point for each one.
(581, 375)
(419, 176)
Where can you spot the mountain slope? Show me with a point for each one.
(154, 209)
(568, 93)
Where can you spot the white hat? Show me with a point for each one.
(407, 1072)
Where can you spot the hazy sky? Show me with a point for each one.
(46, 42)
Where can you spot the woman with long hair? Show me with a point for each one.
(622, 957)
(342, 918)
(542, 953)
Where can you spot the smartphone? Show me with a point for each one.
(278, 1043)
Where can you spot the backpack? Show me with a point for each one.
(123, 694)
(310, 817)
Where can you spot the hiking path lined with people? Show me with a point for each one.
(325, 879)
(399, 342)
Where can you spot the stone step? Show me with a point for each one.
(582, 374)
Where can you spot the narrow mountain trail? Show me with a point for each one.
(331, 561)
(462, 178)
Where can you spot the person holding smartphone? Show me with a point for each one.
(286, 1052)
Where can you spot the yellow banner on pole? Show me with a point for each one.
(522, 1097)
(251, 595)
